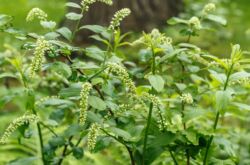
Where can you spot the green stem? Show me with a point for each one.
(172, 156)
(41, 142)
(153, 62)
(132, 160)
(217, 117)
(77, 26)
(146, 131)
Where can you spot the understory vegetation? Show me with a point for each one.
(122, 100)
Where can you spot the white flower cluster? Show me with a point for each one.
(156, 105)
(17, 123)
(86, 3)
(123, 75)
(155, 38)
(187, 98)
(41, 47)
(36, 13)
(86, 87)
(118, 17)
(195, 22)
(92, 135)
(209, 8)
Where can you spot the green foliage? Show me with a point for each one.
(175, 103)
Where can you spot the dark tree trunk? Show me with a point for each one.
(146, 14)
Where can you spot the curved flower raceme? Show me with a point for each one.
(36, 13)
(123, 75)
(156, 105)
(86, 87)
(41, 47)
(92, 135)
(17, 123)
(86, 3)
(118, 17)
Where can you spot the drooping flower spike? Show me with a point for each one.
(123, 75)
(118, 17)
(36, 13)
(86, 87)
(92, 135)
(86, 3)
(17, 123)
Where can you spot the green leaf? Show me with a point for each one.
(97, 103)
(65, 32)
(119, 132)
(78, 152)
(57, 141)
(222, 100)
(5, 19)
(73, 16)
(48, 24)
(157, 82)
(60, 68)
(95, 53)
(25, 161)
(72, 130)
(239, 75)
(175, 20)
(57, 102)
(94, 28)
(51, 35)
(72, 4)
(7, 75)
(241, 106)
(163, 139)
(217, 19)
(72, 91)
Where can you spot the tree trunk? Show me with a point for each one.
(146, 14)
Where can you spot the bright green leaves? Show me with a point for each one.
(78, 152)
(73, 16)
(222, 100)
(157, 82)
(97, 103)
(5, 20)
(60, 68)
(217, 19)
(48, 24)
(73, 5)
(236, 53)
(65, 32)
(176, 20)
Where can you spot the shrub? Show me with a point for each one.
(174, 104)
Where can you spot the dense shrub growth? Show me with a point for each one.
(169, 103)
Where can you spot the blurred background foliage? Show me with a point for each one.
(236, 12)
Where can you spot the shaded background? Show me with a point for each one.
(154, 15)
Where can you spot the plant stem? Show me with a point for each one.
(146, 132)
(217, 117)
(41, 142)
(153, 62)
(172, 155)
(40, 138)
(77, 26)
(64, 153)
(132, 160)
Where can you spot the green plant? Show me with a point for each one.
(81, 106)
